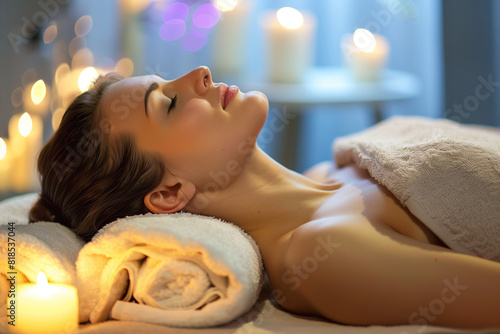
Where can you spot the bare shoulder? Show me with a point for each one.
(351, 271)
(321, 171)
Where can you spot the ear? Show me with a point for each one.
(170, 198)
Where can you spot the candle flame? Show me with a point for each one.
(3, 149)
(41, 280)
(25, 124)
(364, 40)
(38, 91)
(86, 78)
(226, 5)
(290, 18)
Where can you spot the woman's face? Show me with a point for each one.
(199, 128)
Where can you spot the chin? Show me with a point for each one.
(257, 95)
(257, 101)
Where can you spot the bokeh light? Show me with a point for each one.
(50, 34)
(176, 10)
(206, 16)
(57, 117)
(25, 124)
(172, 29)
(76, 44)
(364, 40)
(124, 67)
(3, 149)
(290, 18)
(60, 52)
(83, 25)
(134, 6)
(194, 30)
(17, 97)
(86, 78)
(174, 26)
(29, 76)
(61, 73)
(194, 41)
(226, 5)
(82, 58)
(38, 92)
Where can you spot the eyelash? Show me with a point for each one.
(172, 104)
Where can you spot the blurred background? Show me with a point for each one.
(429, 58)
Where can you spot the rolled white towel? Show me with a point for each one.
(181, 270)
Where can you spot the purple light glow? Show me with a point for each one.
(172, 29)
(193, 41)
(176, 10)
(206, 16)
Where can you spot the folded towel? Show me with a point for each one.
(47, 247)
(16, 208)
(181, 270)
(447, 174)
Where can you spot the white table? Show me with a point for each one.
(332, 86)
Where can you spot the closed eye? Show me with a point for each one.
(172, 104)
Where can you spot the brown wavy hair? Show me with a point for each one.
(88, 177)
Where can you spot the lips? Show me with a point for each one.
(227, 94)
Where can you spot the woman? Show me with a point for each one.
(336, 244)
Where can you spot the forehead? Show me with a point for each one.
(123, 101)
(135, 86)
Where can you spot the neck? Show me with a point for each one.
(264, 198)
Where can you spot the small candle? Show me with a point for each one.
(25, 136)
(43, 307)
(5, 165)
(366, 54)
(290, 36)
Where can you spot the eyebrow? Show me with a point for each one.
(150, 89)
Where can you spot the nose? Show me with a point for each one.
(202, 79)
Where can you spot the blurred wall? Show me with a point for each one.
(471, 39)
(446, 44)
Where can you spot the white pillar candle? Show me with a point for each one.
(365, 54)
(290, 44)
(229, 39)
(5, 165)
(25, 136)
(43, 308)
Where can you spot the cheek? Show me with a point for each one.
(195, 117)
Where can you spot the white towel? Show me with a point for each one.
(447, 174)
(182, 270)
(47, 247)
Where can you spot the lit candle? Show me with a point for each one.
(230, 37)
(43, 308)
(366, 54)
(5, 165)
(25, 136)
(290, 37)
